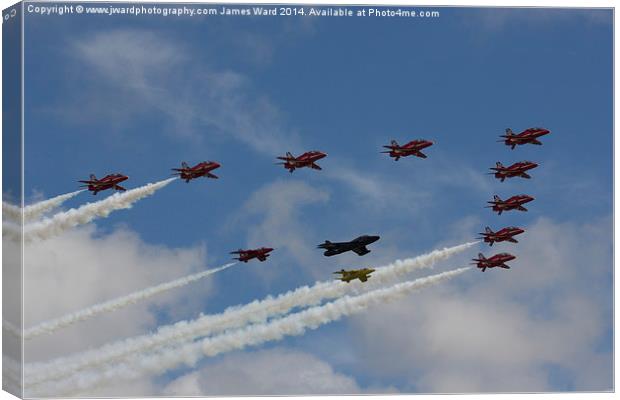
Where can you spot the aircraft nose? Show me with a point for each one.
(374, 238)
(268, 249)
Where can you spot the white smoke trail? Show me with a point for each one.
(11, 212)
(257, 311)
(66, 220)
(291, 325)
(36, 210)
(114, 304)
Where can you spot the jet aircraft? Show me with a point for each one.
(517, 169)
(529, 135)
(503, 235)
(246, 255)
(513, 203)
(412, 148)
(308, 159)
(361, 274)
(498, 260)
(201, 169)
(110, 181)
(357, 245)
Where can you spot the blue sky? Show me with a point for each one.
(138, 95)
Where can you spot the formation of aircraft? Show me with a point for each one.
(246, 255)
(513, 203)
(503, 235)
(517, 169)
(308, 159)
(107, 182)
(498, 260)
(529, 135)
(361, 274)
(412, 148)
(204, 168)
(357, 245)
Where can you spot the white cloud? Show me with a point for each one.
(379, 192)
(503, 330)
(83, 267)
(139, 71)
(278, 371)
(273, 216)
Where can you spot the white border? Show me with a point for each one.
(432, 3)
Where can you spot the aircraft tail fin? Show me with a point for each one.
(394, 143)
(93, 177)
(481, 256)
(488, 230)
(184, 165)
(496, 198)
(289, 154)
(325, 245)
(509, 132)
(499, 165)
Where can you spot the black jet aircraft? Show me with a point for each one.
(357, 245)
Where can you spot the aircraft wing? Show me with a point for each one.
(360, 251)
(261, 257)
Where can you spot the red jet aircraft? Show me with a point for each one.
(201, 169)
(503, 235)
(108, 182)
(247, 255)
(308, 159)
(498, 260)
(516, 169)
(513, 203)
(412, 148)
(530, 135)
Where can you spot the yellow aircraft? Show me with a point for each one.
(361, 274)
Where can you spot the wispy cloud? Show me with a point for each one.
(139, 71)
